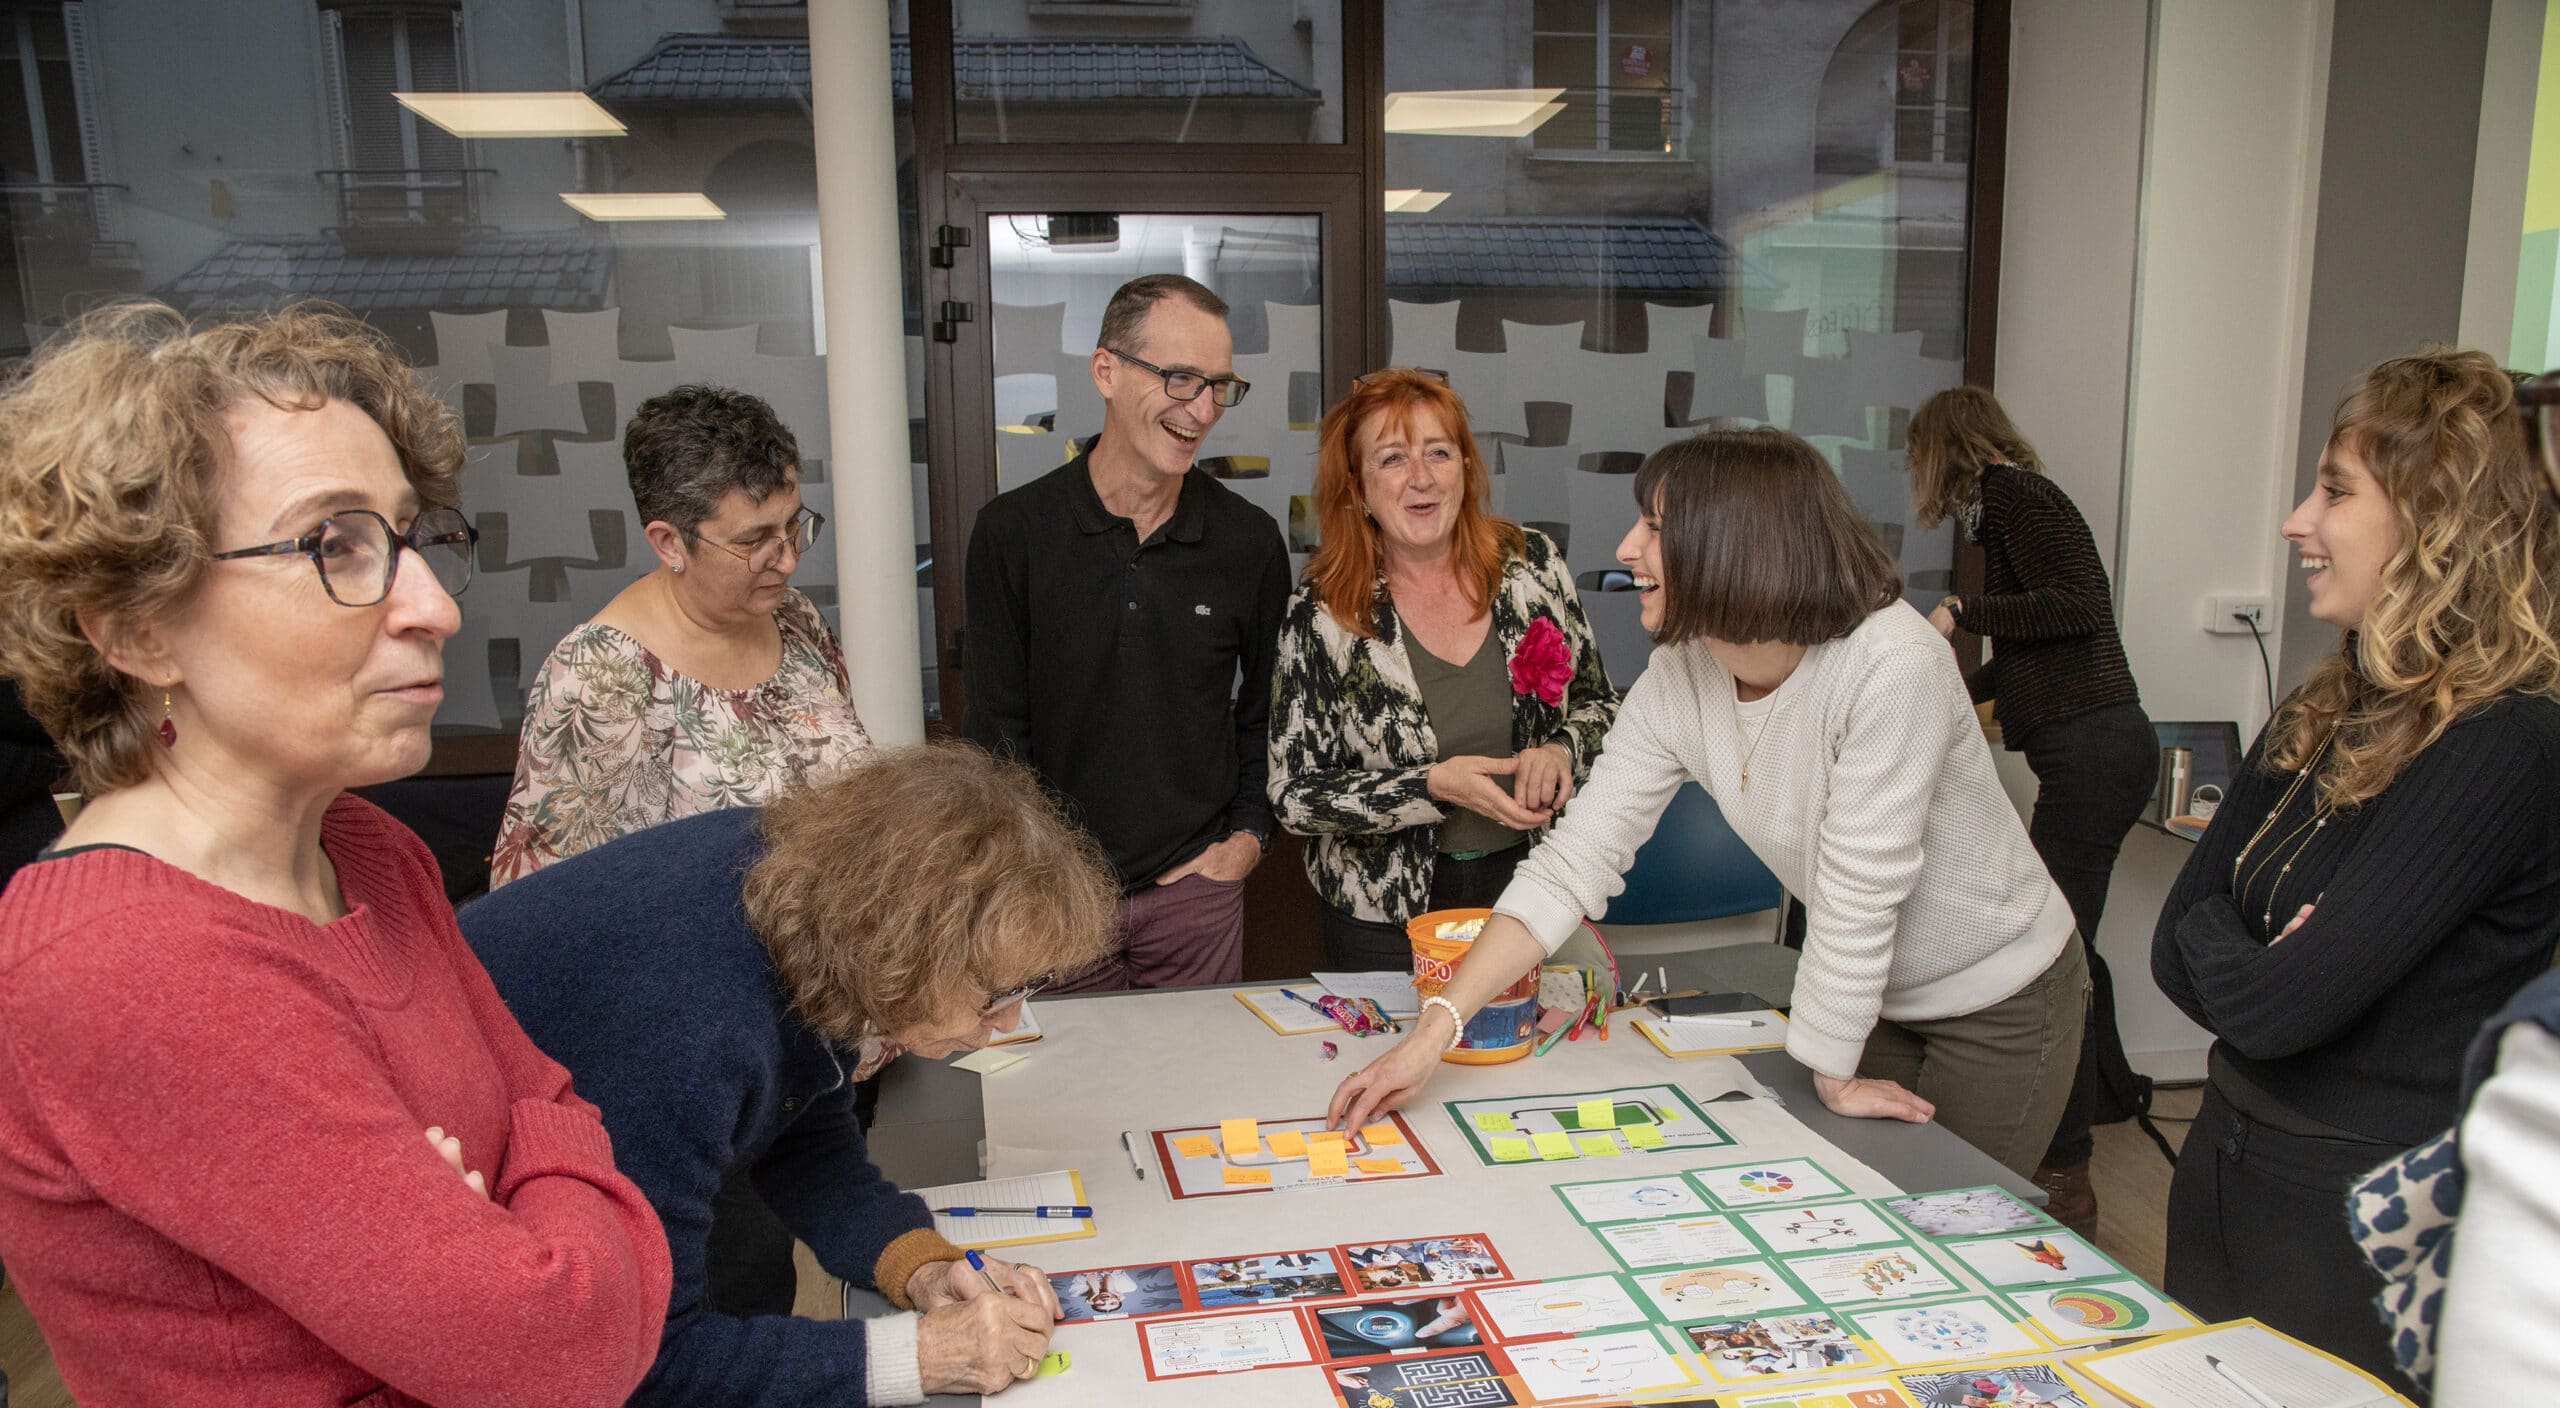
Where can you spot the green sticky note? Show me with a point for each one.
(1598, 1146)
(1596, 1114)
(1511, 1151)
(1057, 1361)
(1554, 1144)
(1494, 1122)
(1642, 1136)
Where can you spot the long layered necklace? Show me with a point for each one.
(2306, 829)
(1754, 751)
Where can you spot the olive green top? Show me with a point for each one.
(1470, 710)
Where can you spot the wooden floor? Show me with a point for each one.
(2133, 1203)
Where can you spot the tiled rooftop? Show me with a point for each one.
(714, 68)
(484, 271)
(1635, 254)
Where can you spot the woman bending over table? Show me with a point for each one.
(271, 1136)
(1438, 693)
(708, 683)
(1830, 724)
(2381, 878)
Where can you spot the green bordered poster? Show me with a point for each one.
(1596, 1125)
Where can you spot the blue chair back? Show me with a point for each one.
(1693, 868)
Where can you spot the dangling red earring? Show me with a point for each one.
(168, 721)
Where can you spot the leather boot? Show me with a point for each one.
(2074, 1198)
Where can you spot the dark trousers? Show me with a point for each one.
(1353, 945)
(2258, 1226)
(2094, 775)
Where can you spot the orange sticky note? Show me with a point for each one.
(1328, 1160)
(1196, 1146)
(1256, 1176)
(1288, 1143)
(1314, 1135)
(1241, 1137)
(1379, 1165)
(1378, 1134)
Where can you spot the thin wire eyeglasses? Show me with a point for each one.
(764, 554)
(357, 552)
(1000, 1001)
(1187, 386)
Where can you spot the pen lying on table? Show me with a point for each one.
(1053, 1210)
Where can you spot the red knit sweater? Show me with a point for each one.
(215, 1184)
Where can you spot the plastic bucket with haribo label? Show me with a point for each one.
(1505, 1028)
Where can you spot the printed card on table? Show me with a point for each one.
(1777, 1347)
(1676, 1241)
(2030, 1258)
(1897, 1272)
(1429, 1261)
(1965, 1212)
(2045, 1385)
(1118, 1293)
(1942, 1332)
(1464, 1378)
(1765, 1183)
(2099, 1310)
(1613, 1366)
(1640, 1119)
(1265, 1280)
(1865, 1393)
(1631, 1199)
(1390, 1325)
(1820, 1227)
(1571, 1305)
(1224, 1344)
(1734, 1290)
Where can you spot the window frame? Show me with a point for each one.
(1679, 90)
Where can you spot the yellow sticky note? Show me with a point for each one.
(1377, 1134)
(1494, 1122)
(1057, 1361)
(1241, 1137)
(1288, 1143)
(1643, 1136)
(1598, 1146)
(1257, 1176)
(1327, 1159)
(1379, 1165)
(1596, 1114)
(1510, 1151)
(1554, 1144)
(1318, 1136)
(1669, 1114)
(1196, 1146)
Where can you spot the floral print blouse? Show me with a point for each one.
(615, 740)
(1352, 745)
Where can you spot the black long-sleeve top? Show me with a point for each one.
(2046, 606)
(1112, 666)
(2436, 901)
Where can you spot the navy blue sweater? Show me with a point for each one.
(633, 966)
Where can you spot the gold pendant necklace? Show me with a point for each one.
(1754, 750)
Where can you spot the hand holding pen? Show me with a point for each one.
(979, 1334)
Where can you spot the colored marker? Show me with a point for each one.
(1137, 1170)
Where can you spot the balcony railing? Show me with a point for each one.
(391, 205)
(1630, 122)
(55, 223)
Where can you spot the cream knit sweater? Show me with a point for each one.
(1872, 799)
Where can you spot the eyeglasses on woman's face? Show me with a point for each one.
(997, 1002)
(1187, 386)
(357, 552)
(793, 538)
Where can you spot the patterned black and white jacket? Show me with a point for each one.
(1352, 746)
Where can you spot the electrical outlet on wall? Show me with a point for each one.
(2233, 615)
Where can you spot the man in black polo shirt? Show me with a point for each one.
(1112, 605)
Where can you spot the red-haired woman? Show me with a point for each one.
(1438, 693)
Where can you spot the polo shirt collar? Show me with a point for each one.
(1190, 511)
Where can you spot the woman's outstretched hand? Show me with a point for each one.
(1393, 1078)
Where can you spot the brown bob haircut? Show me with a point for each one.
(920, 878)
(1760, 542)
(1345, 568)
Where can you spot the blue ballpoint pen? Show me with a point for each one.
(978, 1264)
(1051, 1210)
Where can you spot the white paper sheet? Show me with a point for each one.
(1029, 1190)
(1390, 990)
(2172, 1373)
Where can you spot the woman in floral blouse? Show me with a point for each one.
(1438, 693)
(708, 683)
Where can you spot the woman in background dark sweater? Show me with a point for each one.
(2386, 871)
(2063, 696)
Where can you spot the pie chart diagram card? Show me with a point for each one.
(1631, 1199)
(1768, 1182)
(2100, 1310)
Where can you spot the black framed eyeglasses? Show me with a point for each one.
(764, 554)
(1000, 1001)
(1187, 386)
(356, 551)
(2538, 401)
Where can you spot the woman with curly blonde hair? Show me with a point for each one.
(267, 1133)
(2380, 879)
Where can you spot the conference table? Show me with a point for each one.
(1120, 1063)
